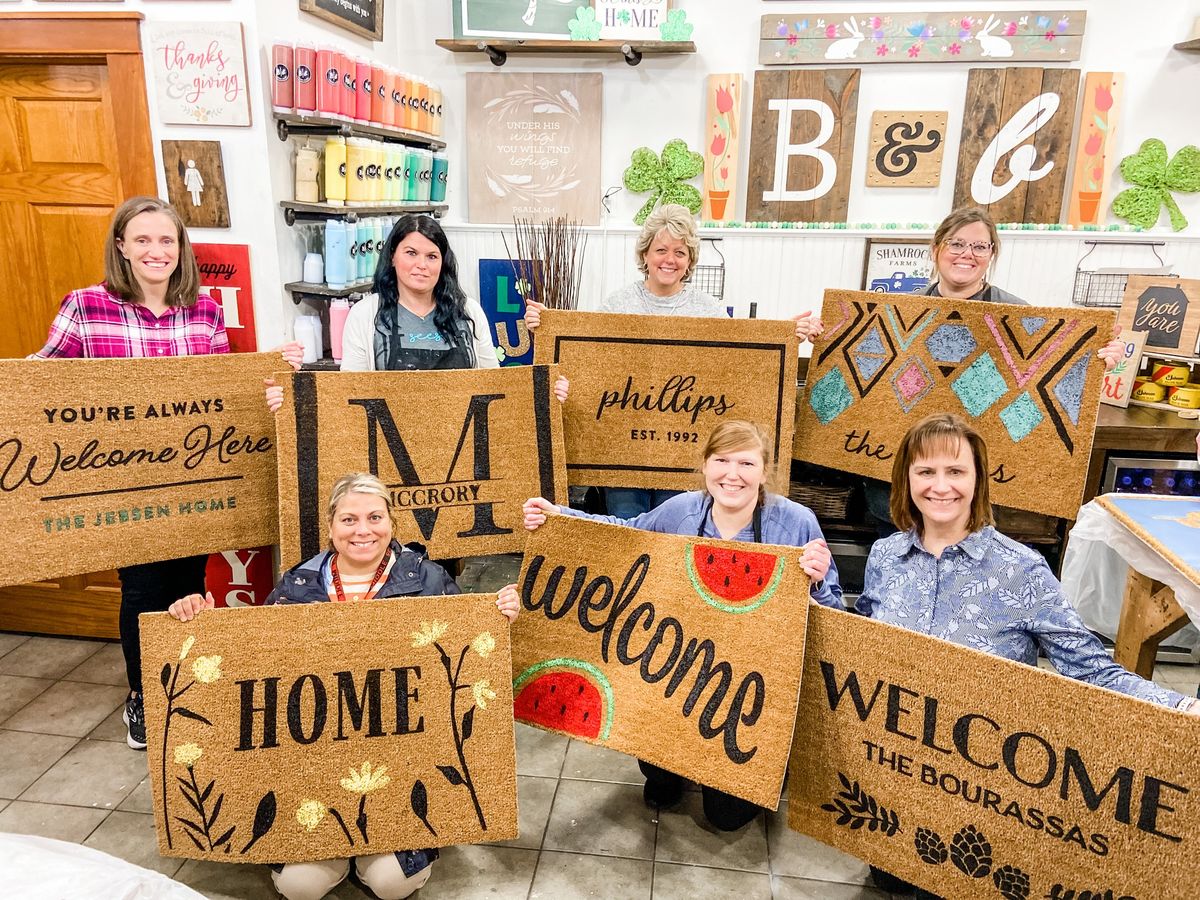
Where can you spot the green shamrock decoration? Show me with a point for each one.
(676, 27)
(1155, 179)
(623, 17)
(663, 177)
(584, 26)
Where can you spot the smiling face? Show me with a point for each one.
(361, 529)
(151, 245)
(667, 263)
(418, 264)
(733, 478)
(964, 272)
(942, 486)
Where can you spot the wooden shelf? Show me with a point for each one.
(293, 210)
(1192, 46)
(312, 289)
(293, 123)
(498, 49)
(1165, 407)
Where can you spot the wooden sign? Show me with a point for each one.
(111, 462)
(196, 182)
(906, 149)
(459, 463)
(647, 390)
(522, 19)
(1028, 378)
(896, 267)
(1016, 142)
(534, 146)
(1167, 309)
(808, 37)
(801, 145)
(973, 776)
(682, 651)
(724, 96)
(199, 72)
(363, 17)
(505, 310)
(1118, 381)
(225, 273)
(1098, 117)
(631, 19)
(278, 734)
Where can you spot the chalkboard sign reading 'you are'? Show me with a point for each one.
(1168, 309)
(363, 17)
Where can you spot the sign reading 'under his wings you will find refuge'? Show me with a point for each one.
(278, 734)
(685, 652)
(975, 777)
(1027, 377)
(647, 390)
(120, 461)
(459, 451)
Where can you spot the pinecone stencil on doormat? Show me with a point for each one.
(971, 852)
(930, 847)
(1011, 882)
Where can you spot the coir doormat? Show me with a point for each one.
(974, 776)
(1027, 377)
(647, 390)
(1169, 525)
(280, 734)
(460, 451)
(119, 461)
(684, 652)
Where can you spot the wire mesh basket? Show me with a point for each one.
(1105, 287)
(710, 278)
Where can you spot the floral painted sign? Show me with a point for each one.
(276, 734)
(1097, 137)
(721, 147)
(968, 34)
(199, 72)
(534, 147)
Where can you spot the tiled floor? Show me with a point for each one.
(585, 833)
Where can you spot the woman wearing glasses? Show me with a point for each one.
(963, 248)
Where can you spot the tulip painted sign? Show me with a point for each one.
(681, 651)
(1098, 119)
(277, 734)
(199, 72)
(721, 147)
(973, 776)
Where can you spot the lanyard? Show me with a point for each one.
(337, 578)
(757, 521)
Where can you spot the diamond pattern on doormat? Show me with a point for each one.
(980, 386)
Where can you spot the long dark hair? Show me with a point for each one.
(450, 303)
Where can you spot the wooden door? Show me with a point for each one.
(74, 144)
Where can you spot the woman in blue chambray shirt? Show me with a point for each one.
(948, 573)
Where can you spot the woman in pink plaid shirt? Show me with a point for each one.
(149, 304)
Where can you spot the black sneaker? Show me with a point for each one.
(135, 718)
(663, 793)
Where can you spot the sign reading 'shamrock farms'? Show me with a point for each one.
(114, 462)
(459, 451)
(277, 734)
(976, 777)
(647, 390)
(682, 651)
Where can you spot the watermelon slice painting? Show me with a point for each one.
(733, 579)
(565, 695)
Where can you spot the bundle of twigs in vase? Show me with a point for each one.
(549, 260)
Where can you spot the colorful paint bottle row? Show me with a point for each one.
(325, 81)
(363, 172)
(352, 249)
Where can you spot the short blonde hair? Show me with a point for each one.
(183, 287)
(359, 483)
(933, 434)
(736, 435)
(677, 221)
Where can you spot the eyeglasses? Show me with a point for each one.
(978, 249)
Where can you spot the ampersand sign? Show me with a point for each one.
(906, 149)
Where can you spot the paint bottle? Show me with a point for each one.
(335, 170)
(378, 156)
(376, 94)
(435, 108)
(305, 94)
(366, 249)
(338, 310)
(329, 84)
(413, 119)
(314, 268)
(337, 254)
(379, 226)
(425, 177)
(400, 88)
(362, 90)
(283, 90)
(346, 96)
(302, 331)
(437, 187)
(356, 172)
(412, 171)
(308, 167)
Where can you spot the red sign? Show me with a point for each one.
(225, 273)
(240, 577)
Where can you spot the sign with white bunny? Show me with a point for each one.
(534, 147)
(199, 72)
(965, 35)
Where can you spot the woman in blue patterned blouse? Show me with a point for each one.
(948, 573)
